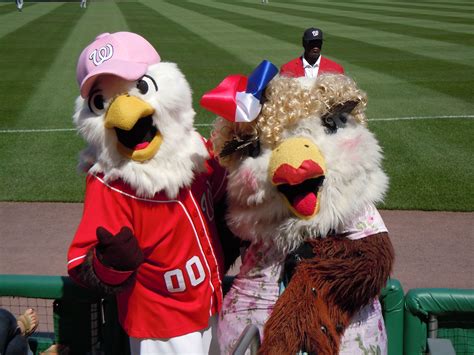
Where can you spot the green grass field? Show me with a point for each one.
(415, 59)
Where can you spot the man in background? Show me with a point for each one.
(83, 4)
(19, 4)
(311, 63)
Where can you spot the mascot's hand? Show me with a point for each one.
(120, 251)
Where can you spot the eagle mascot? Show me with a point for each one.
(304, 175)
(147, 234)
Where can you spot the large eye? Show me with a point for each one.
(96, 102)
(329, 123)
(146, 84)
(338, 115)
(333, 123)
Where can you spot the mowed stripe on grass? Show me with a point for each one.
(385, 21)
(409, 66)
(35, 169)
(428, 160)
(203, 63)
(60, 76)
(52, 102)
(27, 54)
(210, 40)
(393, 78)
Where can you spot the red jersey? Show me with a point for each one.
(178, 286)
(294, 68)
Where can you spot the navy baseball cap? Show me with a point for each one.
(312, 34)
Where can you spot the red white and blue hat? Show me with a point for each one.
(238, 98)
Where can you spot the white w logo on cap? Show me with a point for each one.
(315, 33)
(98, 56)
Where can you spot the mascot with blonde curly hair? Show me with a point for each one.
(304, 177)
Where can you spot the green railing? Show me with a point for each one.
(87, 323)
(82, 320)
(391, 299)
(439, 313)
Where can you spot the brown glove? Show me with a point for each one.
(120, 251)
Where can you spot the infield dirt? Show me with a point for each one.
(433, 249)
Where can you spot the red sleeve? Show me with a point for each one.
(329, 66)
(340, 68)
(293, 69)
(286, 70)
(103, 207)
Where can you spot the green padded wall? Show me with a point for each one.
(451, 306)
(392, 300)
(75, 310)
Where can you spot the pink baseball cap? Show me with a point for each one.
(124, 54)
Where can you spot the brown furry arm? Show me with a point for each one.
(303, 320)
(325, 292)
(352, 271)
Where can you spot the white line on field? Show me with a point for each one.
(419, 118)
(49, 130)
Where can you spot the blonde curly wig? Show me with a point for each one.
(286, 101)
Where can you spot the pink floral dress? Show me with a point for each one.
(256, 288)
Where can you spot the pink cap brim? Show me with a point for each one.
(123, 69)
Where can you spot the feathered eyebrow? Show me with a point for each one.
(237, 143)
(345, 107)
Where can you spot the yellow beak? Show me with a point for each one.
(123, 113)
(297, 169)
